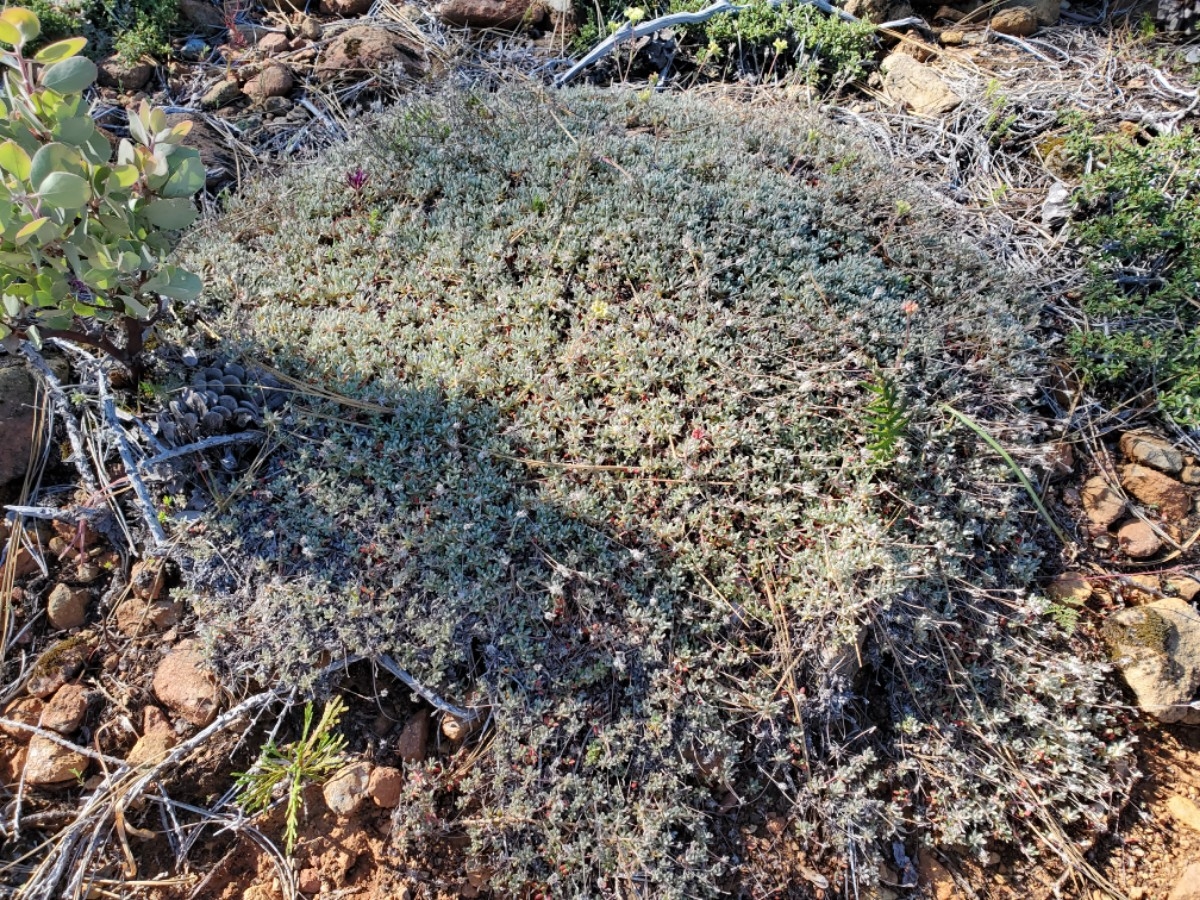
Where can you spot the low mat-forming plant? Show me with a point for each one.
(620, 498)
(1138, 225)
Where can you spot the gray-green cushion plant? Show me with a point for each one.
(628, 498)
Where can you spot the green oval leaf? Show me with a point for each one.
(64, 190)
(74, 130)
(188, 177)
(170, 214)
(176, 283)
(14, 159)
(51, 158)
(30, 230)
(23, 22)
(59, 50)
(70, 76)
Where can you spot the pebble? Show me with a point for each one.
(1172, 500)
(1020, 21)
(346, 791)
(1138, 540)
(51, 763)
(1151, 450)
(384, 785)
(184, 684)
(66, 709)
(67, 607)
(27, 711)
(414, 737)
(157, 738)
(147, 578)
(1102, 504)
(309, 881)
(1072, 588)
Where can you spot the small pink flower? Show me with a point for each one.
(910, 307)
(357, 179)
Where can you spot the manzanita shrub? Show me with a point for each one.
(87, 228)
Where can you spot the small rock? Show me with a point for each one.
(52, 763)
(12, 762)
(414, 737)
(1057, 205)
(275, 42)
(1137, 893)
(1190, 475)
(310, 29)
(1071, 588)
(136, 617)
(346, 791)
(1186, 586)
(16, 422)
(157, 738)
(365, 49)
(952, 37)
(1188, 886)
(309, 881)
(183, 683)
(1138, 540)
(936, 876)
(1153, 488)
(920, 88)
(1151, 450)
(202, 14)
(66, 709)
(383, 787)
(194, 50)
(1047, 12)
(277, 106)
(346, 9)
(1102, 504)
(147, 578)
(273, 81)
(59, 664)
(1185, 811)
(67, 606)
(456, 729)
(1143, 588)
(28, 711)
(221, 94)
(490, 13)
(1018, 22)
(949, 14)
(1157, 649)
(114, 72)
(88, 572)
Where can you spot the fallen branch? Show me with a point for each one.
(466, 715)
(244, 437)
(131, 469)
(63, 406)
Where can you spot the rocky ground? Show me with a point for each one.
(110, 674)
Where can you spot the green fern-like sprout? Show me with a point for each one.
(318, 753)
(887, 419)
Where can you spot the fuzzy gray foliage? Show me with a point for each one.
(625, 497)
